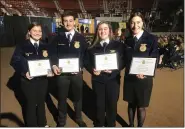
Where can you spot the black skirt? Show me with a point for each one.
(137, 91)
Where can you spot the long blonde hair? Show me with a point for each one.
(96, 38)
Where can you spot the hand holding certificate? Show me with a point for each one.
(39, 67)
(145, 66)
(69, 65)
(106, 61)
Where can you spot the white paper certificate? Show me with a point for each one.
(39, 67)
(145, 66)
(69, 65)
(106, 61)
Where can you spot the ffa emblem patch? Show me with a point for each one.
(77, 44)
(142, 48)
(45, 53)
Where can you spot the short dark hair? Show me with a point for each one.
(68, 13)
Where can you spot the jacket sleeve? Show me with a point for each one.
(19, 62)
(53, 51)
(154, 52)
(83, 52)
(88, 64)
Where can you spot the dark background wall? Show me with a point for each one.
(13, 29)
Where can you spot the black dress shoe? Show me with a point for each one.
(59, 125)
(131, 125)
(81, 123)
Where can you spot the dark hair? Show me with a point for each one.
(33, 24)
(30, 26)
(134, 14)
(68, 13)
(96, 36)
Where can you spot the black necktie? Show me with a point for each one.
(69, 37)
(135, 39)
(36, 46)
(104, 44)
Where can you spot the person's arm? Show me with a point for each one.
(53, 55)
(19, 62)
(83, 52)
(88, 64)
(154, 52)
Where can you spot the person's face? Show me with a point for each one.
(136, 25)
(36, 33)
(103, 31)
(69, 23)
(165, 38)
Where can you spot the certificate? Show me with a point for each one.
(106, 61)
(39, 67)
(69, 65)
(145, 66)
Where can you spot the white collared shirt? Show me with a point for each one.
(71, 32)
(103, 41)
(138, 36)
(33, 41)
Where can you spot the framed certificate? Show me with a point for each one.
(106, 61)
(39, 67)
(145, 66)
(69, 65)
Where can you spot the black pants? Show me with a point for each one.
(35, 93)
(107, 95)
(64, 84)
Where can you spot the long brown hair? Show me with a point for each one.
(96, 38)
(30, 27)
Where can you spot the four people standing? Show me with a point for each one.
(105, 84)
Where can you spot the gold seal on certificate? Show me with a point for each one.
(39, 67)
(106, 61)
(69, 65)
(145, 66)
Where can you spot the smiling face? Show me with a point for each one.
(36, 33)
(103, 31)
(136, 25)
(69, 23)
